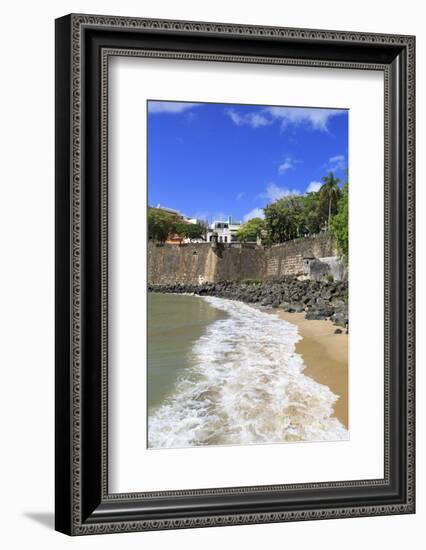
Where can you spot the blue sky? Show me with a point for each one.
(217, 160)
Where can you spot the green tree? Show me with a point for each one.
(330, 191)
(340, 222)
(314, 212)
(161, 224)
(190, 230)
(250, 230)
(285, 219)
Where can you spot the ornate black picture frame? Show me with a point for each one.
(84, 44)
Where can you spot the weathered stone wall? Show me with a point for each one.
(197, 263)
(287, 258)
(170, 263)
(237, 263)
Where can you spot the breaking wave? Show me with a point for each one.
(245, 385)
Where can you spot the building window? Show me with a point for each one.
(225, 239)
(220, 239)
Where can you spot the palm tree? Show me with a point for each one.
(330, 189)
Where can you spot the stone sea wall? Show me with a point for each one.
(196, 264)
(287, 258)
(190, 264)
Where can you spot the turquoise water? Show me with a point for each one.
(175, 323)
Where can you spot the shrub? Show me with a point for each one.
(251, 281)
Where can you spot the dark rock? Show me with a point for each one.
(338, 331)
(315, 315)
(326, 294)
(320, 299)
(321, 303)
(340, 317)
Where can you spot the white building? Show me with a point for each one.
(226, 230)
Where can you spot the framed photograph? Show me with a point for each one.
(234, 274)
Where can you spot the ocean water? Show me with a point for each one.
(231, 377)
(175, 323)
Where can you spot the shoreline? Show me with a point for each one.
(320, 300)
(325, 355)
(241, 392)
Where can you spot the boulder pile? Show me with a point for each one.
(317, 299)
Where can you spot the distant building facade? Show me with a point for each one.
(226, 230)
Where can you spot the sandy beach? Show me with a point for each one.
(325, 355)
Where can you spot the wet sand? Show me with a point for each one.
(325, 355)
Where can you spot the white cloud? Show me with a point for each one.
(314, 186)
(255, 213)
(255, 120)
(317, 119)
(240, 196)
(274, 192)
(336, 163)
(288, 164)
(170, 107)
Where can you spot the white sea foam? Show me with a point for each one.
(245, 385)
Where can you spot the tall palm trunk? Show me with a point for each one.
(330, 188)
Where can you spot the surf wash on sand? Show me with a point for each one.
(244, 384)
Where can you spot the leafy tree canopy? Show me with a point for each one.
(284, 219)
(191, 231)
(339, 222)
(162, 225)
(250, 230)
(301, 215)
